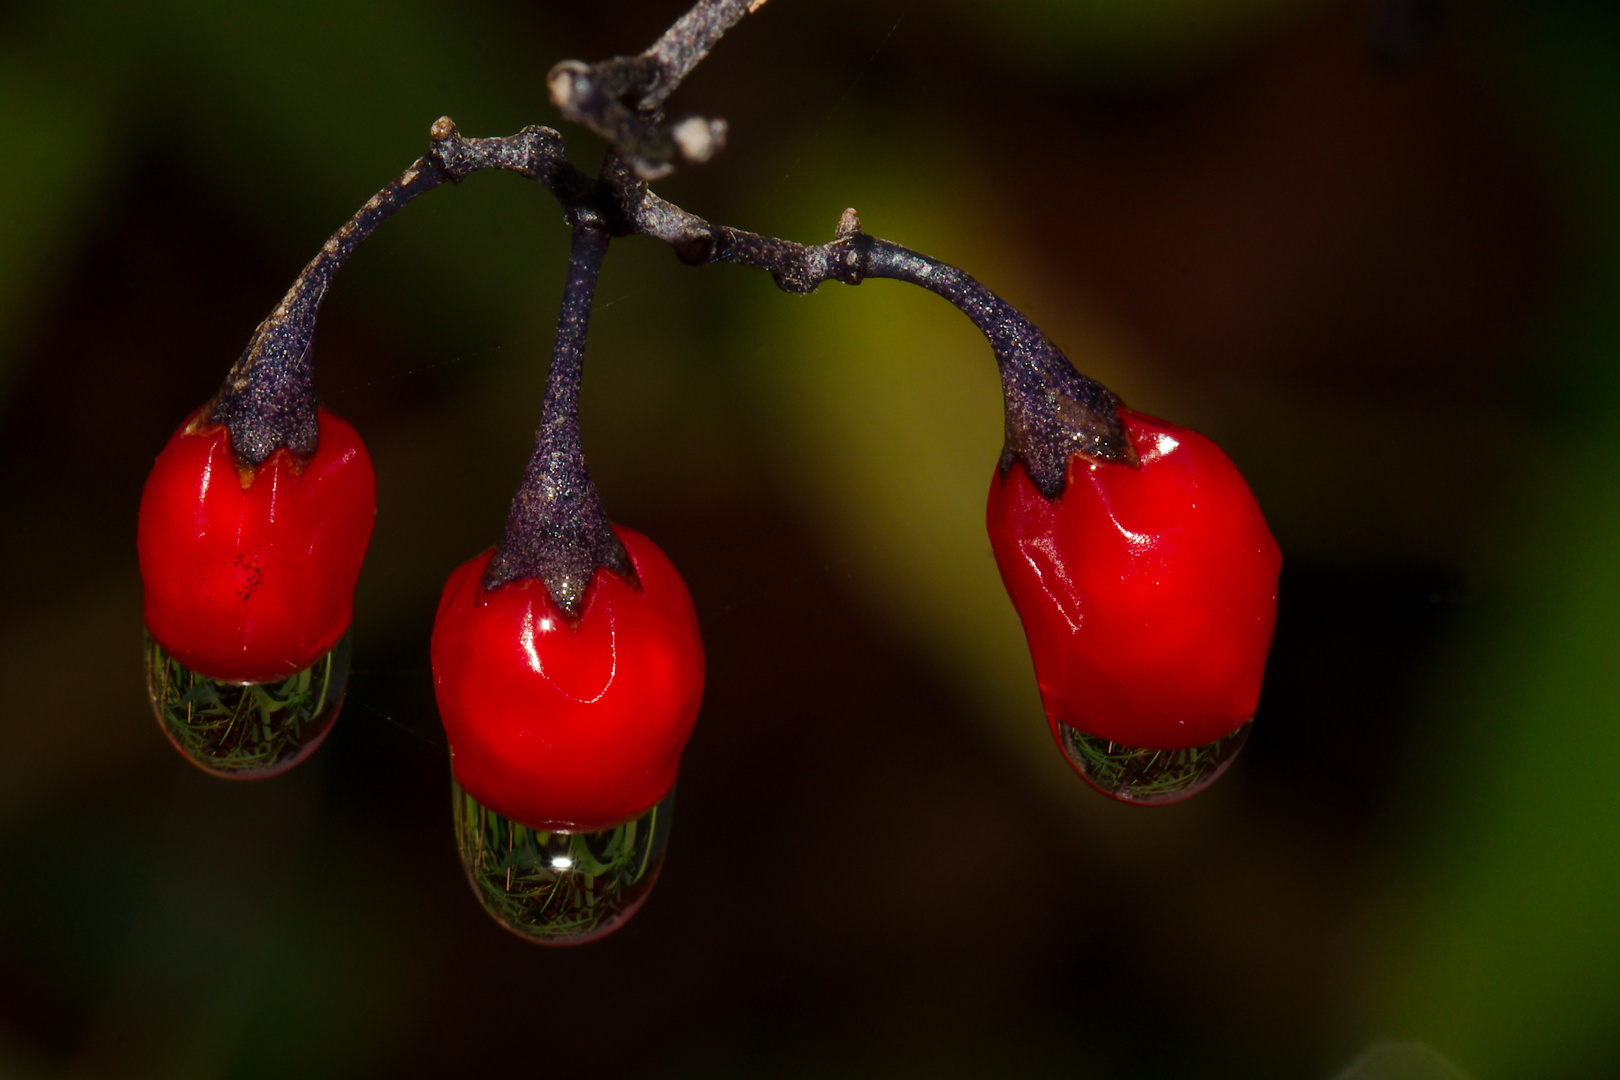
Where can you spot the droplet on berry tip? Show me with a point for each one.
(556, 887)
(1148, 777)
(246, 731)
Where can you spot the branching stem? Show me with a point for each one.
(557, 530)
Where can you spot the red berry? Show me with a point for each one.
(249, 573)
(1148, 594)
(561, 725)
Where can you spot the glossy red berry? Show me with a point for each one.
(1148, 594)
(249, 572)
(572, 725)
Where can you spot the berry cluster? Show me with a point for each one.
(566, 660)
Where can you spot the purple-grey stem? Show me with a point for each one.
(557, 530)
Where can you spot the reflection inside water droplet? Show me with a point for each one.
(246, 731)
(559, 888)
(1149, 777)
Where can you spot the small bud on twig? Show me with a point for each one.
(699, 139)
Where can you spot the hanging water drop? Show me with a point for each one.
(559, 888)
(1149, 777)
(246, 731)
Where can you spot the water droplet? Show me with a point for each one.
(246, 731)
(559, 888)
(1149, 777)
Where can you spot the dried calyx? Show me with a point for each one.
(1054, 413)
(268, 400)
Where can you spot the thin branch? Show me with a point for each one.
(599, 95)
(1053, 411)
(685, 44)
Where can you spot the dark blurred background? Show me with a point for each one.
(1372, 249)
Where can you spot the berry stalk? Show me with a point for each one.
(557, 530)
(268, 400)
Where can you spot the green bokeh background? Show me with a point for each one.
(1392, 293)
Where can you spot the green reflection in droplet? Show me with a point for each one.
(246, 731)
(1149, 777)
(559, 888)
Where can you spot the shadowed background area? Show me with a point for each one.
(1373, 250)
